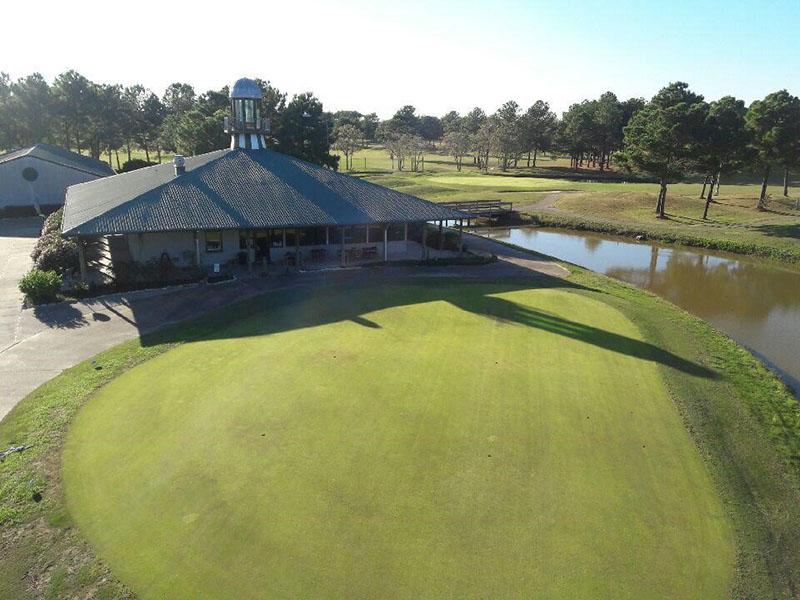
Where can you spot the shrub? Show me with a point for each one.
(40, 286)
(133, 164)
(52, 224)
(56, 254)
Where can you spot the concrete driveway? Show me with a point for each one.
(17, 239)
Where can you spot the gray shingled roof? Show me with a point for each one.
(237, 189)
(62, 157)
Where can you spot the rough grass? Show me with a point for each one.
(527, 446)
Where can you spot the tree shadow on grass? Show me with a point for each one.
(310, 307)
(784, 231)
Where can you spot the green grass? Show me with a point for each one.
(288, 456)
(745, 424)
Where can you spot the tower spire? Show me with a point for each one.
(245, 123)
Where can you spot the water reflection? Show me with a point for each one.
(756, 303)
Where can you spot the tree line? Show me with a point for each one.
(103, 120)
(673, 134)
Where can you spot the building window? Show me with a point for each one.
(275, 237)
(30, 174)
(335, 236)
(290, 238)
(312, 236)
(355, 235)
(397, 232)
(213, 241)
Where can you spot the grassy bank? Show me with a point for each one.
(739, 243)
(744, 422)
(733, 223)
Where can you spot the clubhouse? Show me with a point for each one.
(248, 204)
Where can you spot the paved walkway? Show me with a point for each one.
(48, 339)
(17, 239)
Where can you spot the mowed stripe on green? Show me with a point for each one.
(465, 441)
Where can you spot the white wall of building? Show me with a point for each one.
(48, 189)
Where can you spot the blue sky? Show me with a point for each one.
(377, 56)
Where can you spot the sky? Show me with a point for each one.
(437, 55)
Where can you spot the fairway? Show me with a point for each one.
(458, 440)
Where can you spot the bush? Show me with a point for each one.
(58, 254)
(133, 164)
(40, 286)
(52, 224)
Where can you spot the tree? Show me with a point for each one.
(369, 126)
(304, 131)
(457, 144)
(430, 128)
(774, 126)
(6, 135)
(104, 133)
(508, 141)
(404, 121)
(473, 120)
(723, 147)
(71, 92)
(348, 141)
(539, 125)
(29, 108)
(576, 131)
(452, 121)
(663, 138)
(198, 132)
(608, 117)
(483, 143)
(178, 98)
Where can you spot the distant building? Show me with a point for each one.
(34, 180)
(248, 204)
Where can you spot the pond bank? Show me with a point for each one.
(565, 220)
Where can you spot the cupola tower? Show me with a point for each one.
(245, 124)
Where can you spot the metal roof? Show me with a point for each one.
(62, 157)
(245, 88)
(237, 189)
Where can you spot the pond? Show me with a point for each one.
(755, 302)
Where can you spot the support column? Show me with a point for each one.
(344, 261)
(385, 243)
(460, 238)
(251, 250)
(82, 261)
(197, 249)
(441, 235)
(424, 240)
(296, 249)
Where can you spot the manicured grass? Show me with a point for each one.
(745, 424)
(527, 446)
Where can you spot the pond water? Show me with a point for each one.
(755, 302)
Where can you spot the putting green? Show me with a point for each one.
(450, 441)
